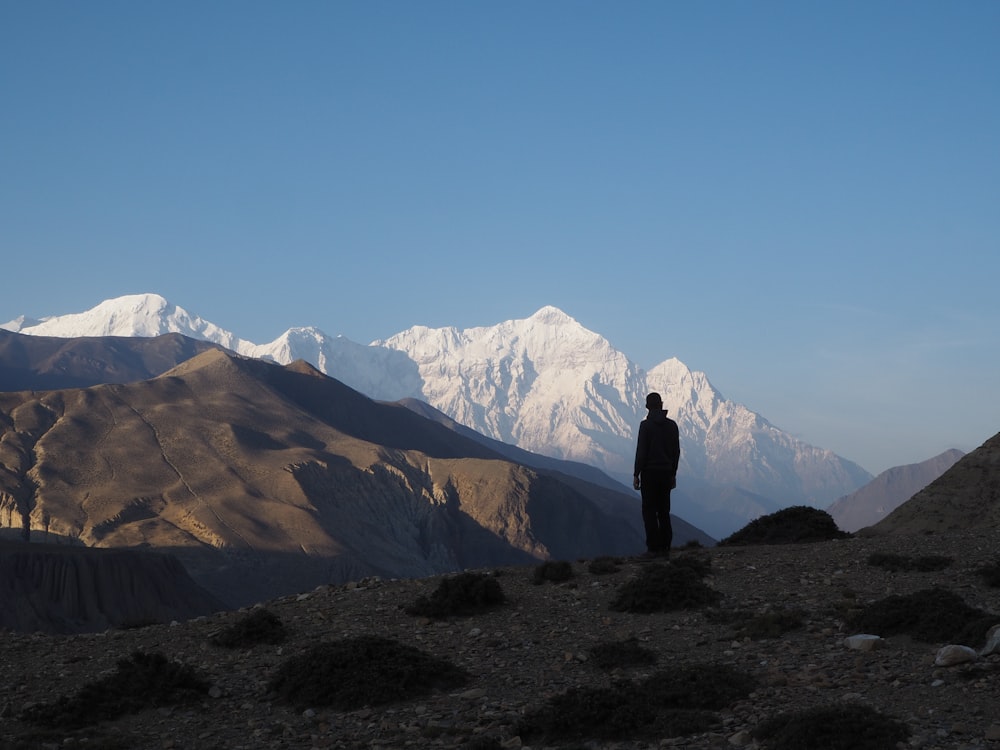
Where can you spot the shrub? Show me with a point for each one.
(142, 681)
(667, 704)
(932, 616)
(847, 727)
(665, 588)
(772, 624)
(626, 653)
(362, 671)
(464, 594)
(793, 525)
(556, 571)
(260, 626)
(603, 566)
(990, 573)
(901, 563)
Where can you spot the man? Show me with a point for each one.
(657, 456)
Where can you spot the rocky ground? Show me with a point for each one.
(537, 646)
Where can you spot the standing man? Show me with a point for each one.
(657, 456)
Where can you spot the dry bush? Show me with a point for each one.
(794, 525)
(771, 624)
(990, 573)
(362, 671)
(461, 595)
(932, 616)
(846, 727)
(672, 703)
(142, 681)
(601, 566)
(556, 571)
(259, 627)
(678, 584)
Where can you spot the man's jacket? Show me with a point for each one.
(659, 445)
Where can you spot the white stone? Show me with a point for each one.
(992, 642)
(864, 642)
(740, 739)
(952, 654)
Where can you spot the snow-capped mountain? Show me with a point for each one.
(545, 384)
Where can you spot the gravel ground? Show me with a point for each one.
(537, 646)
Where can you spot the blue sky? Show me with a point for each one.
(800, 199)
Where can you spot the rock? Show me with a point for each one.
(741, 738)
(949, 656)
(992, 642)
(864, 642)
(993, 732)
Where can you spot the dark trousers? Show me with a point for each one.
(655, 488)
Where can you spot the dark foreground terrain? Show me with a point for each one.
(758, 641)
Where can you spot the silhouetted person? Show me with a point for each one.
(657, 455)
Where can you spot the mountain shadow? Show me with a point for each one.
(44, 363)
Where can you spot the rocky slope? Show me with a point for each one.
(73, 589)
(888, 491)
(967, 496)
(540, 645)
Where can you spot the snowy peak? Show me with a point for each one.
(141, 315)
(18, 324)
(544, 383)
(552, 316)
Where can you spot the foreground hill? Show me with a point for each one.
(265, 480)
(967, 496)
(542, 643)
(888, 491)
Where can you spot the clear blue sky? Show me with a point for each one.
(800, 199)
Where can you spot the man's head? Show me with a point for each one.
(653, 401)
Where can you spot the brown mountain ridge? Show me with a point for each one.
(265, 480)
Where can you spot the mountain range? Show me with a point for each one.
(265, 479)
(544, 384)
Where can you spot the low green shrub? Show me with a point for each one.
(794, 525)
(460, 595)
(261, 626)
(667, 587)
(139, 682)
(846, 727)
(932, 616)
(362, 671)
(671, 703)
(556, 571)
